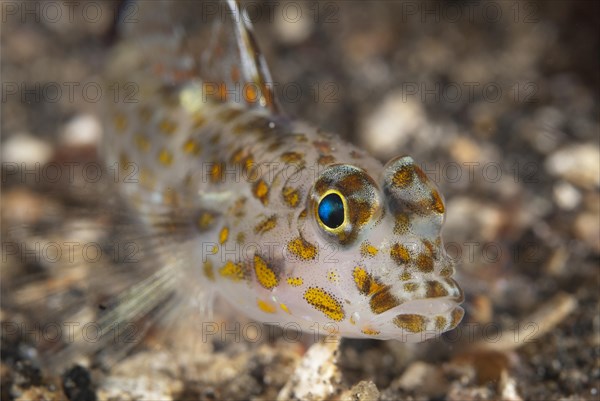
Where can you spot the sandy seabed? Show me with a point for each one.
(497, 100)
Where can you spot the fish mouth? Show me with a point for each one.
(440, 297)
(456, 292)
(424, 307)
(445, 288)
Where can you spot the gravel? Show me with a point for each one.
(499, 103)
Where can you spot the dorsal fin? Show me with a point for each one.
(212, 42)
(236, 61)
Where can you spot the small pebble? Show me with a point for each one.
(361, 391)
(27, 150)
(578, 164)
(292, 24)
(508, 388)
(587, 229)
(317, 377)
(423, 378)
(393, 124)
(82, 130)
(566, 196)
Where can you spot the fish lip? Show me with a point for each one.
(430, 306)
(457, 293)
(426, 306)
(423, 306)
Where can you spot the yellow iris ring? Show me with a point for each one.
(342, 227)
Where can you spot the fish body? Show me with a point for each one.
(289, 224)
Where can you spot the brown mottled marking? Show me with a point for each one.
(381, 216)
(240, 238)
(321, 186)
(192, 147)
(405, 276)
(248, 168)
(250, 94)
(436, 202)
(215, 173)
(361, 212)
(295, 281)
(455, 289)
(424, 263)
(404, 176)
(323, 146)
(214, 139)
(275, 145)
(264, 273)
(402, 224)
(238, 156)
(229, 114)
(324, 160)
(198, 120)
(238, 209)
(142, 143)
(206, 220)
(266, 306)
(261, 191)
(302, 249)
(167, 126)
(410, 322)
(223, 235)
(333, 276)
(207, 267)
(365, 283)
(447, 271)
(145, 114)
(324, 302)
(356, 155)
(165, 157)
(257, 124)
(188, 180)
(303, 214)
(233, 271)
(120, 122)
(368, 250)
(299, 137)
(369, 331)
(291, 157)
(221, 95)
(457, 315)
(435, 289)
(430, 248)
(170, 197)
(290, 196)
(411, 287)
(124, 162)
(266, 224)
(421, 174)
(147, 179)
(383, 300)
(400, 254)
(235, 73)
(440, 323)
(353, 182)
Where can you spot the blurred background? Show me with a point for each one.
(498, 101)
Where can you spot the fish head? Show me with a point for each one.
(392, 276)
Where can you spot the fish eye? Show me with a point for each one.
(331, 210)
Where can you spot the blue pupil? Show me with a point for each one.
(331, 211)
